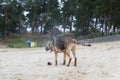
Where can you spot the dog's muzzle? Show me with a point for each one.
(46, 48)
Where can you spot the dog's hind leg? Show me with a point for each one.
(67, 52)
(74, 54)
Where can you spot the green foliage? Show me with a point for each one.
(19, 41)
(16, 43)
(49, 25)
(83, 16)
(9, 18)
(50, 5)
(49, 13)
(55, 15)
(69, 10)
(106, 11)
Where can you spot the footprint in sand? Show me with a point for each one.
(17, 77)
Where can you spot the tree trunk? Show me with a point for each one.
(5, 24)
(5, 33)
(114, 29)
(33, 25)
(41, 29)
(34, 19)
(71, 23)
(105, 24)
(96, 22)
(41, 24)
(64, 26)
(19, 23)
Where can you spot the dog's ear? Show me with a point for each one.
(46, 48)
(74, 40)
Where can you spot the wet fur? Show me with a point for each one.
(64, 44)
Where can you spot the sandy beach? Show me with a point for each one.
(101, 61)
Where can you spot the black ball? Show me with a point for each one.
(49, 63)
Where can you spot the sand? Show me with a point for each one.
(101, 61)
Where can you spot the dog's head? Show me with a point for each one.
(49, 46)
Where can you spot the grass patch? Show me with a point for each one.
(19, 41)
(16, 43)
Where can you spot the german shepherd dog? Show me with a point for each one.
(64, 44)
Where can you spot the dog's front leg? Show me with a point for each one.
(56, 55)
(64, 59)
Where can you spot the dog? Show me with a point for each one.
(64, 44)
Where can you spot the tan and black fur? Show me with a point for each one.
(64, 44)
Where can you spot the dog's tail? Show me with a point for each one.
(85, 44)
(81, 43)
